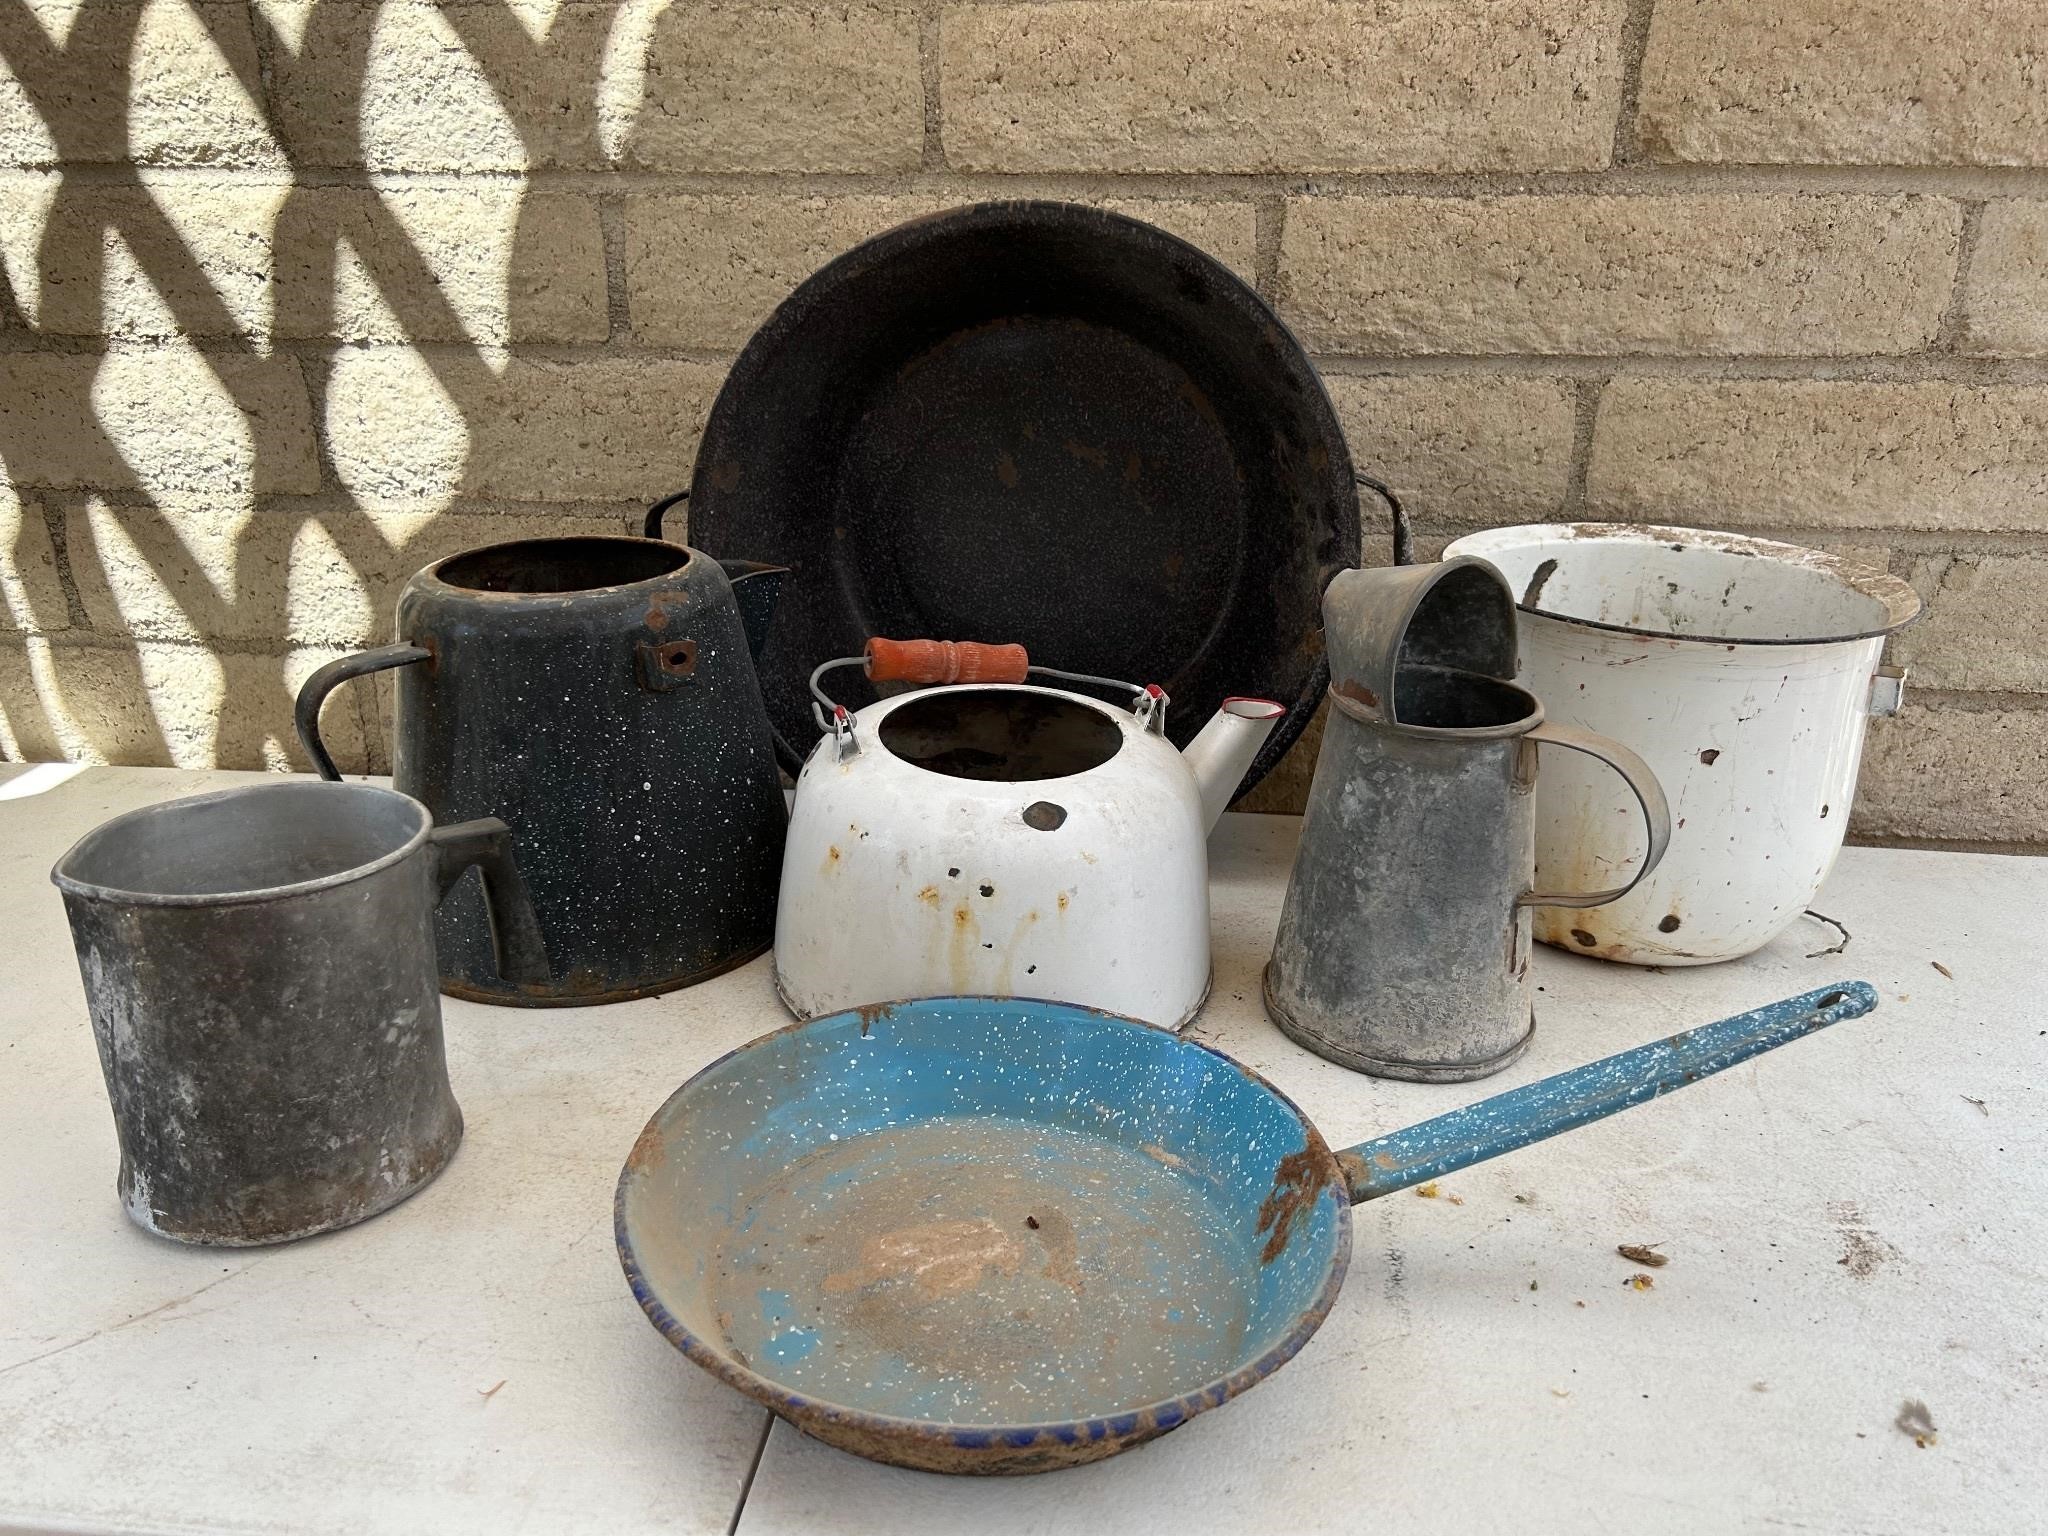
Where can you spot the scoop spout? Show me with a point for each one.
(1221, 754)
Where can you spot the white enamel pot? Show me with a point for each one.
(996, 838)
(1744, 672)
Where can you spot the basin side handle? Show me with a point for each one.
(313, 693)
(1585, 1094)
(516, 942)
(1642, 782)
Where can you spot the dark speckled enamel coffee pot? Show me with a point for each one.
(598, 695)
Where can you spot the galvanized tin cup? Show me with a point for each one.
(259, 966)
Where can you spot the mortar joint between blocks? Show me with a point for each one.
(930, 68)
(1633, 44)
(1950, 334)
(611, 227)
(1585, 409)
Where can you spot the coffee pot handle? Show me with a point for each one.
(651, 528)
(1649, 795)
(313, 693)
(516, 942)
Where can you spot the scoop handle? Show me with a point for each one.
(944, 661)
(1593, 1092)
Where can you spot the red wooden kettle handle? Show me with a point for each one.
(944, 661)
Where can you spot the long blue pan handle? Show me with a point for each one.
(1584, 1094)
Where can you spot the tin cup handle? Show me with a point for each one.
(1641, 782)
(516, 942)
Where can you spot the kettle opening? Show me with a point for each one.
(1000, 735)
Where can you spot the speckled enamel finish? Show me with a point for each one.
(648, 820)
(748, 1217)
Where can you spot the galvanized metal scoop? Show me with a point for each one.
(989, 1235)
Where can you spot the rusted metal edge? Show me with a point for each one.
(428, 575)
(885, 1009)
(1879, 585)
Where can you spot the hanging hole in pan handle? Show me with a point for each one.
(652, 527)
(1404, 535)
(944, 661)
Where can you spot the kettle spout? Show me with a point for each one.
(755, 587)
(1219, 756)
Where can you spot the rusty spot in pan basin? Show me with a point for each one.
(913, 1253)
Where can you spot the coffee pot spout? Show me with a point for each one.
(755, 587)
(1220, 755)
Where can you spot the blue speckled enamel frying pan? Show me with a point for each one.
(986, 1235)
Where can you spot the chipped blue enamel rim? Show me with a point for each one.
(1396, 1161)
(933, 1446)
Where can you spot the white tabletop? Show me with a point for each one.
(1847, 1230)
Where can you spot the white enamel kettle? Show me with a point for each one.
(997, 838)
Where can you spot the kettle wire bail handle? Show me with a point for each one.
(651, 529)
(313, 693)
(518, 949)
(1642, 782)
(1404, 535)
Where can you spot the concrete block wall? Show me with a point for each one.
(297, 295)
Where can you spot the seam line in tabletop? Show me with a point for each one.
(754, 1466)
(129, 1322)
